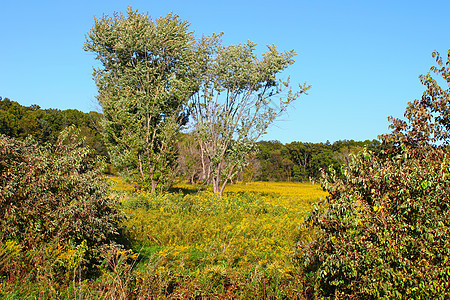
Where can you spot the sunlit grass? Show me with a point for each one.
(245, 239)
(117, 184)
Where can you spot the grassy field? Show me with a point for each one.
(193, 244)
(185, 244)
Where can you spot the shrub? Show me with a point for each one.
(383, 231)
(53, 204)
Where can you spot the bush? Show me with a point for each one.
(54, 206)
(383, 233)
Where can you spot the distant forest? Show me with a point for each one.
(274, 161)
(44, 125)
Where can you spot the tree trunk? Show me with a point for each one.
(222, 188)
(153, 182)
(216, 186)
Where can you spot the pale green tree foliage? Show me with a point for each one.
(144, 80)
(239, 97)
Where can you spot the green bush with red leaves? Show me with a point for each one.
(55, 214)
(383, 233)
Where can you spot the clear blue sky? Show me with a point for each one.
(362, 58)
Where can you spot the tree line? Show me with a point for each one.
(269, 161)
(44, 125)
(275, 161)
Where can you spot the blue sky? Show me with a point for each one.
(362, 58)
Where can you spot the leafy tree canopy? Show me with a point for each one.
(44, 125)
(236, 103)
(145, 79)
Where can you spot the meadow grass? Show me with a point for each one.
(192, 243)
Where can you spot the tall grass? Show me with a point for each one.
(237, 246)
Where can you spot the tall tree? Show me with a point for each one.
(145, 78)
(235, 103)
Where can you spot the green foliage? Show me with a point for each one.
(299, 161)
(189, 159)
(145, 79)
(54, 206)
(45, 125)
(383, 231)
(302, 161)
(234, 105)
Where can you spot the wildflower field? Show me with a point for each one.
(190, 243)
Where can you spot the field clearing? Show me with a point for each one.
(241, 245)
